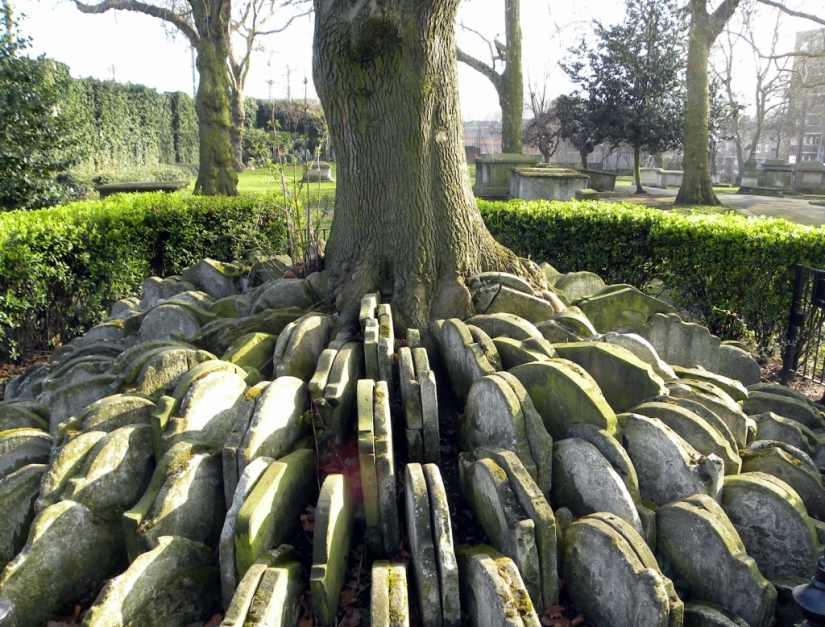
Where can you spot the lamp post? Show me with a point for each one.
(811, 598)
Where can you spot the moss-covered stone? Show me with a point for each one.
(18, 492)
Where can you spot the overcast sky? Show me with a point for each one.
(135, 48)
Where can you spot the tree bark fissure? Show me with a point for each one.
(405, 223)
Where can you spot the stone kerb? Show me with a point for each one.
(546, 183)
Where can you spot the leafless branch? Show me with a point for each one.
(791, 12)
(147, 9)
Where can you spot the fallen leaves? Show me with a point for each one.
(308, 519)
(553, 616)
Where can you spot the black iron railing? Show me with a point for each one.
(803, 355)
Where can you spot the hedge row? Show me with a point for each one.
(62, 268)
(725, 267)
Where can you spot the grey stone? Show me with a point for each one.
(724, 407)
(385, 469)
(67, 551)
(18, 492)
(337, 406)
(499, 278)
(173, 584)
(369, 304)
(704, 413)
(215, 278)
(585, 483)
(217, 336)
(197, 298)
(65, 463)
(463, 359)
(306, 342)
(769, 426)
(18, 416)
(781, 390)
(130, 361)
(505, 324)
(485, 342)
(422, 546)
(578, 285)
(575, 322)
(123, 306)
(732, 388)
(642, 349)
(334, 518)
(271, 513)
(444, 551)
(492, 591)
(410, 392)
(156, 289)
(283, 293)
(235, 306)
(668, 468)
(773, 524)
(160, 373)
(508, 300)
(366, 455)
(389, 600)
(787, 407)
(710, 615)
(20, 447)
(738, 364)
(612, 576)
(564, 394)
(621, 309)
(253, 350)
(705, 550)
(111, 331)
(694, 430)
(70, 399)
(276, 600)
(682, 343)
(115, 411)
(164, 319)
(557, 333)
(623, 379)
(612, 451)
(515, 353)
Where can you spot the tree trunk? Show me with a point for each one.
(697, 186)
(637, 169)
(406, 224)
(216, 172)
(659, 160)
(584, 154)
(236, 130)
(511, 94)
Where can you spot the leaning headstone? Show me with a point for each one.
(275, 598)
(773, 524)
(731, 387)
(160, 373)
(306, 342)
(18, 416)
(642, 349)
(682, 343)
(668, 468)
(411, 404)
(20, 447)
(366, 454)
(385, 469)
(271, 513)
(505, 325)
(173, 584)
(623, 379)
(703, 412)
(724, 407)
(621, 310)
(508, 300)
(67, 551)
(235, 306)
(462, 358)
(215, 278)
(166, 319)
(564, 394)
(156, 289)
(282, 293)
(492, 590)
(444, 551)
(65, 463)
(18, 492)
(334, 517)
(336, 405)
(422, 547)
(389, 599)
(612, 577)
(738, 364)
(584, 482)
(114, 412)
(785, 406)
(253, 350)
(70, 399)
(770, 426)
(184, 498)
(705, 550)
(705, 614)
(577, 285)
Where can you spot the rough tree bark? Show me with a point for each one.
(509, 84)
(406, 223)
(207, 29)
(697, 186)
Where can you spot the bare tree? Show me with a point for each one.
(543, 131)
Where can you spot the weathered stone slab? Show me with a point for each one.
(621, 309)
(705, 550)
(271, 513)
(728, 411)
(492, 590)
(422, 547)
(802, 477)
(18, 492)
(385, 469)
(463, 359)
(228, 563)
(73, 372)
(217, 336)
(530, 497)
(334, 518)
(785, 406)
(389, 600)
(705, 614)
(623, 379)
(21, 447)
(184, 498)
(114, 412)
(682, 343)
(160, 373)
(612, 576)
(19, 416)
(564, 394)
(505, 522)
(611, 450)
(578, 285)
(505, 325)
(197, 298)
(410, 392)
(508, 300)
(769, 426)
(584, 482)
(282, 293)
(70, 399)
(173, 584)
(371, 348)
(668, 468)
(703, 412)
(65, 463)
(738, 364)
(318, 382)
(429, 412)
(114, 473)
(306, 342)
(369, 304)
(130, 361)
(253, 350)
(67, 551)
(276, 423)
(694, 430)
(214, 277)
(732, 388)
(773, 524)
(337, 406)
(276, 601)
(557, 333)
(444, 551)
(166, 319)
(156, 289)
(781, 390)
(515, 352)
(575, 322)
(234, 306)
(643, 350)
(512, 281)
(366, 453)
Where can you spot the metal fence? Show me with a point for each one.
(803, 355)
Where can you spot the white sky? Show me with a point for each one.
(135, 48)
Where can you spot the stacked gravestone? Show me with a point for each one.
(300, 345)
(332, 387)
(389, 600)
(379, 340)
(420, 402)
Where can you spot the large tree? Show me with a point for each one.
(509, 82)
(578, 125)
(406, 223)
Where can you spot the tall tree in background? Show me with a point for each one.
(578, 125)
(633, 79)
(509, 82)
(406, 223)
(542, 130)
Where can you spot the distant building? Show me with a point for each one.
(805, 126)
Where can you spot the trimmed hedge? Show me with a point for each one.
(724, 267)
(62, 268)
